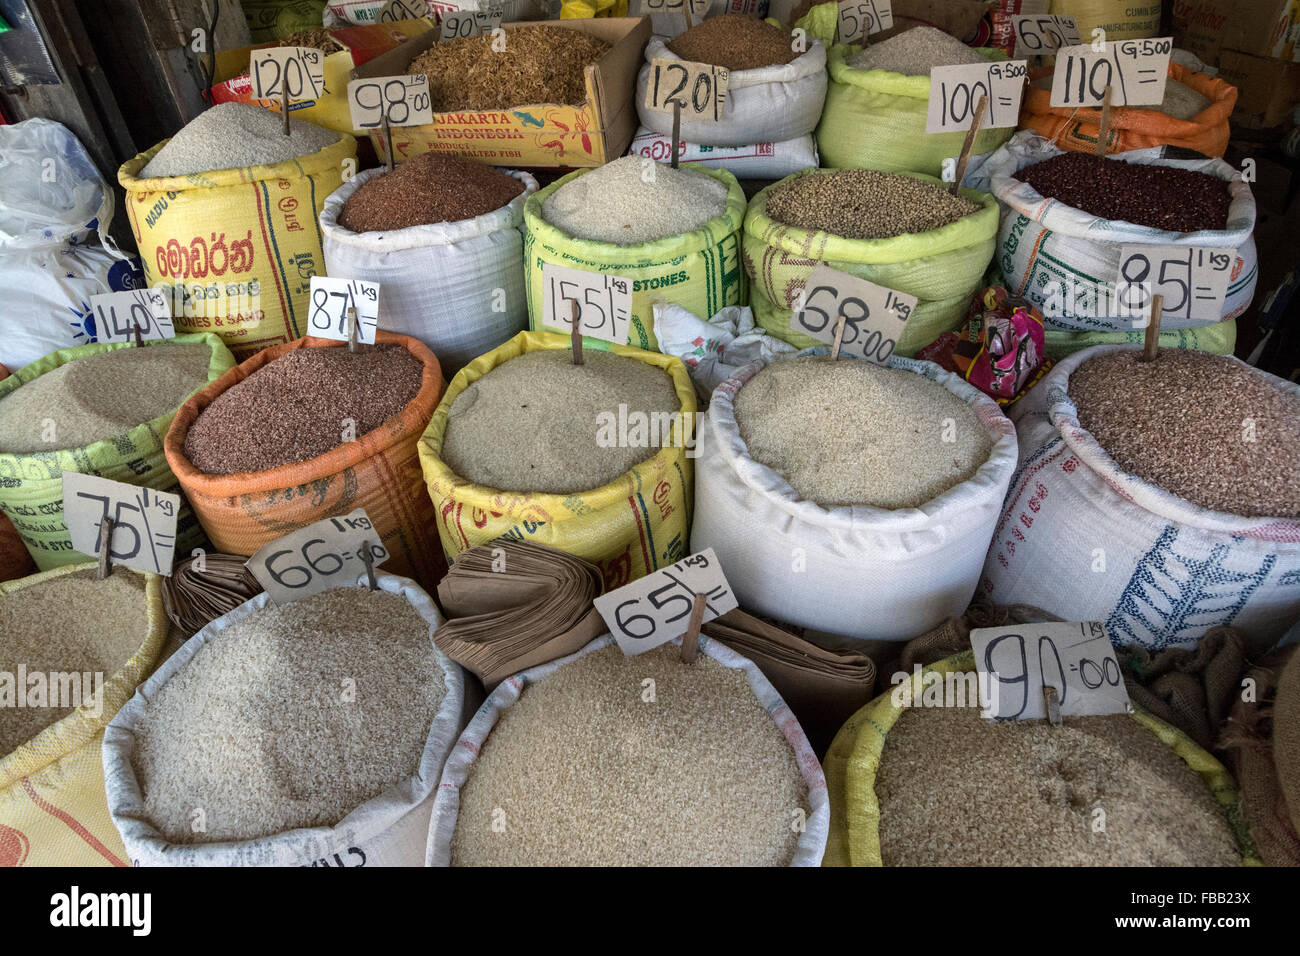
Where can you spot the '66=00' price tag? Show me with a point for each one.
(323, 555)
(144, 521)
(330, 299)
(657, 608)
(405, 100)
(604, 302)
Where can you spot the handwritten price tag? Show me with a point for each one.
(874, 315)
(1135, 70)
(459, 24)
(330, 299)
(1016, 662)
(398, 10)
(144, 521)
(321, 556)
(405, 99)
(301, 68)
(859, 19)
(1193, 281)
(1044, 33)
(955, 92)
(700, 89)
(646, 7)
(656, 608)
(119, 314)
(604, 302)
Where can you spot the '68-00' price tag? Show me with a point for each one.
(657, 608)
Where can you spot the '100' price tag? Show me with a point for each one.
(657, 608)
(874, 316)
(119, 314)
(1135, 71)
(859, 19)
(459, 24)
(405, 100)
(604, 302)
(700, 89)
(330, 300)
(144, 521)
(321, 556)
(1192, 280)
(301, 68)
(955, 93)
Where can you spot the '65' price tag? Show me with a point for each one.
(405, 100)
(700, 89)
(657, 608)
(321, 556)
(300, 68)
(331, 297)
(1135, 71)
(874, 316)
(144, 521)
(1042, 34)
(119, 314)
(955, 93)
(859, 19)
(604, 302)
(1192, 280)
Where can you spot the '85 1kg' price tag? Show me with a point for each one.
(859, 19)
(144, 521)
(955, 93)
(700, 89)
(657, 608)
(1192, 281)
(404, 99)
(119, 314)
(321, 556)
(300, 68)
(874, 316)
(1135, 71)
(331, 297)
(604, 302)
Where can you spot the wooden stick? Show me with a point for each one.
(691, 639)
(686, 9)
(968, 144)
(105, 547)
(575, 331)
(368, 559)
(1151, 343)
(139, 340)
(389, 159)
(677, 130)
(1103, 134)
(284, 102)
(839, 335)
(352, 329)
(1052, 704)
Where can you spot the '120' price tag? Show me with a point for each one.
(874, 316)
(1135, 71)
(1016, 662)
(459, 24)
(657, 608)
(405, 100)
(700, 89)
(321, 556)
(1192, 280)
(302, 68)
(330, 301)
(1042, 34)
(604, 302)
(119, 314)
(859, 19)
(144, 521)
(955, 93)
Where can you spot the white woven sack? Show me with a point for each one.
(768, 105)
(859, 571)
(458, 287)
(753, 161)
(1087, 541)
(1065, 261)
(446, 805)
(389, 830)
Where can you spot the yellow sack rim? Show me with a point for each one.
(443, 481)
(78, 728)
(887, 81)
(311, 164)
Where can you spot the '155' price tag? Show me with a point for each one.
(1042, 34)
(330, 299)
(1016, 662)
(144, 521)
(604, 302)
(119, 314)
(459, 24)
(874, 316)
(405, 99)
(859, 19)
(302, 68)
(1192, 280)
(700, 89)
(657, 608)
(1135, 70)
(321, 556)
(955, 92)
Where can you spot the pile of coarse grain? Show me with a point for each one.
(735, 41)
(915, 52)
(428, 189)
(317, 39)
(233, 136)
(589, 773)
(100, 396)
(1204, 427)
(71, 624)
(294, 408)
(865, 204)
(958, 790)
(628, 202)
(1179, 200)
(534, 423)
(542, 64)
(290, 718)
(850, 432)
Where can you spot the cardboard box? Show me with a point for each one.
(1267, 89)
(1259, 27)
(533, 134)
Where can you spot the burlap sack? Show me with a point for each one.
(1286, 737)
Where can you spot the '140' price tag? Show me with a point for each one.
(119, 314)
(302, 68)
(1016, 662)
(874, 316)
(459, 24)
(1135, 71)
(330, 300)
(144, 521)
(955, 93)
(657, 608)
(1042, 34)
(405, 99)
(604, 302)
(700, 89)
(321, 556)
(1192, 280)
(859, 19)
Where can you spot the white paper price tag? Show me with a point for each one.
(859, 19)
(144, 521)
(459, 24)
(639, 8)
(657, 608)
(398, 10)
(118, 314)
(323, 555)
(1193, 281)
(302, 68)
(604, 302)
(1042, 34)
(874, 316)
(327, 316)
(1016, 662)
(955, 92)
(1135, 70)
(404, 98)
(700, 89)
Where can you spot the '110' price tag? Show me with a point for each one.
(404, 99)
(1016, 662)
(1135, 71)
(1192, 280)
(144, 521)
(119, 314)
(301, 68)
(459, 24)
(657, 608)
(604, 302)
(321, 556)
(1042, 34)
(859, 19)
(874, 316)
(330, 299)
(955, 93)
(700, 89)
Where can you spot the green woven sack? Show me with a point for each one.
(1219, 338)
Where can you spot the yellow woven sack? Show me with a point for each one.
(31, 485)
(53, 811)
(240, 245)
(628, 528)
(1121, 19)
(854, 757)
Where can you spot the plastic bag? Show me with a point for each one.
(715, 350)
(752, 161)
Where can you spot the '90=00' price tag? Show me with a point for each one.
(604, 302)
(119, 314)
(323, 555)
(955, 92)
(700, 89)
(1192, 281)
(301, 68)
(144, 521)
(859, 19)
(405, 99)
(874, 316)
(330, 299)
(657, 608)
(1135, 71)
(459, 24)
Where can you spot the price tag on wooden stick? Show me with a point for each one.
(460, 24)
(119, 315)
(1042, 34)
(1015, 663)
(299, 70)
(956, 90)
(403, 99)
(698, 89)
(604, 302)
(657, 608)
(327, 554)
(396, 11)
(859, 19)
(874, 316)
(144, 521)
(1192, 281)
(331, 297)
(1136, 71)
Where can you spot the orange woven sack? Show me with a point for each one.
(379, 471)
(1134, 127)
(15, 562)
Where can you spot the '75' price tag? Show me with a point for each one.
(330, 300)
(1192, 281)
(604, 302)
(119, 314)
(144, 521)
(404, 99)
(657, 608)
(300, 68)
(874, 316)
(323, 555)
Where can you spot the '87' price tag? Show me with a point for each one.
(323, 555)
(331, 298)
(657, 608)
(604, 302)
